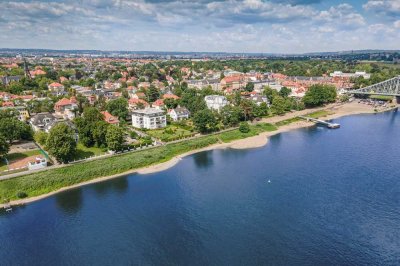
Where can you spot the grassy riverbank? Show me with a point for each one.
(54, 179)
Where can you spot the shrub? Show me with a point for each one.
(244, 127)
(21, 195)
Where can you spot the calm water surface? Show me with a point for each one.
(333, 199)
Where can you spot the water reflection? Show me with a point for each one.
(118, 185)
(203, 159)
(70, 201)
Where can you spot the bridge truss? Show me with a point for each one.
(390, 87)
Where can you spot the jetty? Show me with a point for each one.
(321, 122)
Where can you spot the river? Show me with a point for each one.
(311, 196)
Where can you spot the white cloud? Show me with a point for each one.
(217, 25)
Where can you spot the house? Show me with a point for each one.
(259, 99)
(19, 111)
(215, 102)
(235, 82)
(42, 121)
(170, 96)
(139, 95)
(7, 104)
(66, 108)
(37, 72)
(57, 88)
(179, 113)
(158, 104)
(8, 79)
(109, 118)
(135, 103)
(149, 118)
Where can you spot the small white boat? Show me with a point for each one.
(269, 180)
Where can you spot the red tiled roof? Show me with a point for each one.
(159, 102)
(8, 104)
(109, 118)
(134, 101)
(170, 96)
(56, 84)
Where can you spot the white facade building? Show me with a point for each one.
(179, 113)
(340, 74)
(149, 118)
(215, 102)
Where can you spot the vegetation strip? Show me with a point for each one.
(47, 181)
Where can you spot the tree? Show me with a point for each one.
(12, 129)
(152, 94)
(247, 107)
(114, 138)
(231, 115)
(99, 133)
(249, 86)
(279, 105)
(171, 103)
(270, 93)
(61, 142)
(319, 94)
(41, 137)
(4, 146)
(285, 92)
(244, 127)
(118, 107)
(205, 121)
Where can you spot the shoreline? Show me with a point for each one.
(257, 141)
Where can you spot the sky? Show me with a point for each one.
(268, 26)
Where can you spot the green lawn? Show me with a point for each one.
(170, 133)
(83, 152)
(319, 114)
(17, 156)
(232, 135)
(381, 97)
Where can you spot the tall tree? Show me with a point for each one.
(118, 107)
(205, 121)
(115, 138)
(4, 146)
(61, 142)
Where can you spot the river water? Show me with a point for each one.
(310, 197)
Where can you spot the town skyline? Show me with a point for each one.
(252, 26)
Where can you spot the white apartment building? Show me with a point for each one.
(340, 74)
(215, 102)
(149, 118)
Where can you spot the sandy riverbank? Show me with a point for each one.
(338, 110)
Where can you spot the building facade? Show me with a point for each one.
(149, 118)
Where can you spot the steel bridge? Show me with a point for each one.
(390, 87)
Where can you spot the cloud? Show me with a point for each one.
(384, 7)
(213, 25)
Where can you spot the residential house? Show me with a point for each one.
(215, 102)
(158, 104)
(235, 82)
(42, 121)
(149, 118)
(179, 113)
(135, 103)
(109, 118)
(66, 108)
(57, 88)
